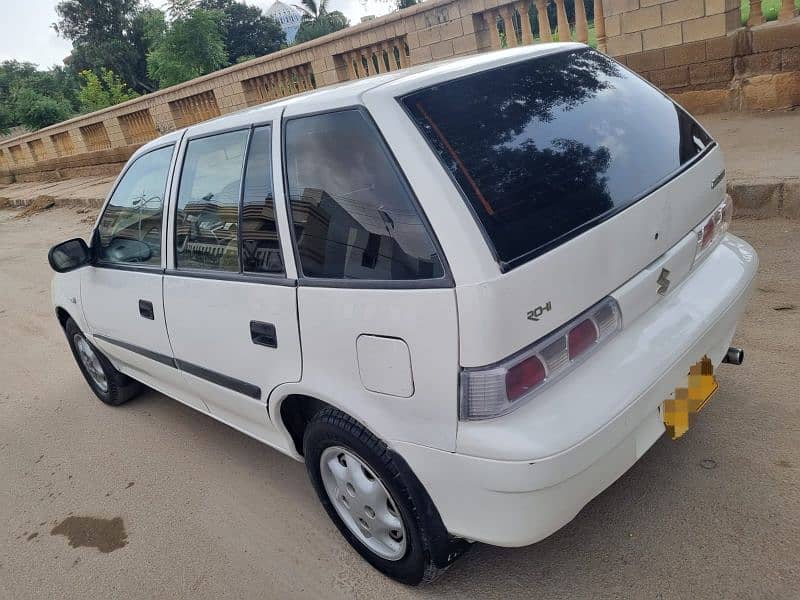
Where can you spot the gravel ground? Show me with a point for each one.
(188, 507)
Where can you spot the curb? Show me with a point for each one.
(765, 198)
(17, 203)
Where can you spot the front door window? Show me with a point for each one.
(130, 228)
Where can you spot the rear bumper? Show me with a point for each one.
(515, 502)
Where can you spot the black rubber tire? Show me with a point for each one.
(429, 548)
(121, 388)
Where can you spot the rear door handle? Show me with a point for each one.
(263, 334)
(146, 309)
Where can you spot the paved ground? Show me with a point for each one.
(757, 145)
(210, 513)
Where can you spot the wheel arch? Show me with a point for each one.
(291, 406)
(62, 314)
(293, 413)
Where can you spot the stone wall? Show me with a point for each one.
(730, 68)
(691, 48)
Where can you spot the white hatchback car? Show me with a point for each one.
(468, 295)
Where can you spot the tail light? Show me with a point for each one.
(495, 390)
(712, 229)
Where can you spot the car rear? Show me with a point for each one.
(603, 206)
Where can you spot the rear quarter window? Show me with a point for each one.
(352, 214)
(547, 148)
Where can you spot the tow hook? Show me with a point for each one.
(734, 356)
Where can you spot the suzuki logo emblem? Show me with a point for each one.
(663, 282)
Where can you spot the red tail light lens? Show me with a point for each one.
(708, 233)
(712, 230)
(525, 376)
(581, 337)
(497, 389)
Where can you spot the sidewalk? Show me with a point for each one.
(762, 156)
(80, 191)
(762, 160)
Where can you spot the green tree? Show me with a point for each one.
(35, 111)
(188, 47)
(103, 91)
(313, 10)
(318, 21)
(34, 98)
(248, 33)
(6, 120)
(104, 34)
(180, 9)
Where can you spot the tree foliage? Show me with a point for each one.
(318, 21)
(103, 91)
(34, 98)
(122, 48)
(248, 33)
(6, 119)
(105, 33)
(34, 111)
(188, 47)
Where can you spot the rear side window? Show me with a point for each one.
(353, 215)
(545, 149)
(261, 251)
(130, 229)
(207, 223)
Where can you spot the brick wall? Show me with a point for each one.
(645, 25)
(747, 69)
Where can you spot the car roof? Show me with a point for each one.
(350, 93)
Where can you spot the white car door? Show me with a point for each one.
(230, 309)
(121, 292)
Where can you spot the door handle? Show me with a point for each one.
(146, 309)
(263, 334)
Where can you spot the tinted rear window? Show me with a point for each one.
(546, 148)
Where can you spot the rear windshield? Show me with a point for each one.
(546, 148)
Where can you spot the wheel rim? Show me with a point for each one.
(90, 362)
(363, 502)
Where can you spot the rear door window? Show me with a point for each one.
(547, 148)
(207, 219)
(352, 213)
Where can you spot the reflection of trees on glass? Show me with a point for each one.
(521, 92)
(567, 173)
(544, 148)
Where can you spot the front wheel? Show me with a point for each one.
(375, 501)
(107, 383)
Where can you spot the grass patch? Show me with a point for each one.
(769, 8)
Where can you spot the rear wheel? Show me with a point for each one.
(375, 501)
(108, 384)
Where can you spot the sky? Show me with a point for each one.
(26, 33)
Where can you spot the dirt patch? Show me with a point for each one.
(106, 535)
(40, 204)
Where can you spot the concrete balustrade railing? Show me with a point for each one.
(693, 49)
(511, 25)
